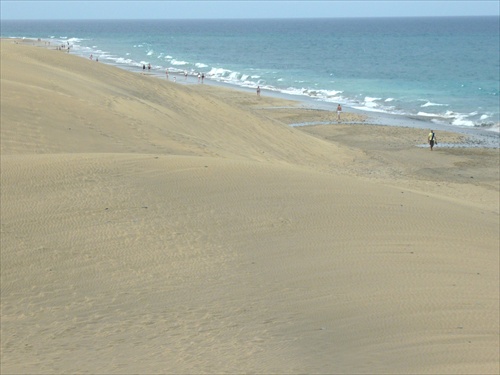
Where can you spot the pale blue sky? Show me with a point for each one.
(185, 9)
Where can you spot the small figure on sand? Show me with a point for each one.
(166, 72)
(432, 139)
(339, 111)
(258, 90)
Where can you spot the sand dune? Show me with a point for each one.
(154, 227)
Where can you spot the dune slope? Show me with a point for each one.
(153, 227)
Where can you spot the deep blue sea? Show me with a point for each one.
(443, 70)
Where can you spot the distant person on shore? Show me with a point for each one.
(432, 139)
(202, 77)
(258, 90)
(339, 111)
(143, 68)
(149, 67)
(166, 72)
(185, 75)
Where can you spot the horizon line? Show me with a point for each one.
(237, 18)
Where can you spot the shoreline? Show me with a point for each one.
(479, 137)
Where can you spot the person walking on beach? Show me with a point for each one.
(339, 111)
(166, 72)
(432, 139)
(258, 90)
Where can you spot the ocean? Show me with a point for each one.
(444, 71)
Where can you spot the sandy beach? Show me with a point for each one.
(149, 226)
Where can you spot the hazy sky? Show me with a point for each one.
(100, 9)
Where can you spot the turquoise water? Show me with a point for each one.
(443, 70)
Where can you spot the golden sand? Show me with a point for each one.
(155, 227)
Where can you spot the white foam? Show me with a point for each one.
(460, 121)
(369, 109)
(370, 102)
(425, 114)
(330, 93)
(120, 60)
(234, 76)
(217, 71)
(177, 62)
(430, 104)
(450, 114)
